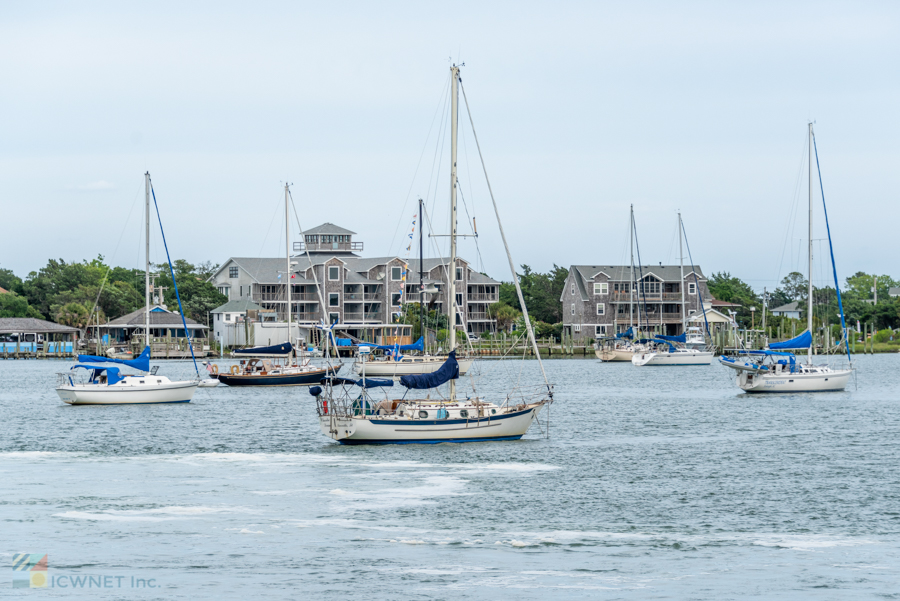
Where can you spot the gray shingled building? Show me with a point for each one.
(361, 294)
(597, 300)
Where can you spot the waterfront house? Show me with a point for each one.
(362, 296)
(790, 310)
(598, 300)
(28, 334)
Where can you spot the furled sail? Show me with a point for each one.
(276, 350)
(629, 333)
(142, 362)
(682, 338)
(446, 372)
(418, 345)
(804, 340)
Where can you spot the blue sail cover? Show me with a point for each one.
(142, 362)
(680, 338)
(276, 350)
(666, 342)
(112, 373)
(629, 333)
(804, 340)
(418, 345)
(446, 372)
(363, 383)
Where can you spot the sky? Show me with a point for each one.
(581, 110)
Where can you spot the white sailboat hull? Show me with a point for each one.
(796, 382)
(680, 357)
(379, 430)
(390, 369)
(614, 354)
(127, 393)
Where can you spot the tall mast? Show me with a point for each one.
(421, 273)
(681, 254)
(287, 253)
(631, 283)
(454, 107)
(147, 263)
(809, 298)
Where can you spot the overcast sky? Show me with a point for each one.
(581, 109)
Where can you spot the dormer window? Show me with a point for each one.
(601, 288)
(396, 274)
(334, 273)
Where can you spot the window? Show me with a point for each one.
(573, 288)
(459, 274)
(334, 273)
(242, 291)
(463, 413)
(396, 274)
(228, 317)
(334, 299)
(601, 309)
(459, 299)
(692, 288)
(232, 272)
(576, 329)
(600, 331)
(602, 288)
(573, 308)
(334, 317)
(219, 317)
(395, 299)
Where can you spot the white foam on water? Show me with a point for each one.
(808, 542)
(411, 542)
(246, 531)
(510, 467)
(271, 492)
(149, 515)
(108, 517)
(432, 487)
(20, 455)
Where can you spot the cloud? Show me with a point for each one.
(98, 185)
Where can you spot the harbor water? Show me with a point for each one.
(655, 482)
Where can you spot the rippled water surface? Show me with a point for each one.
(662, 483)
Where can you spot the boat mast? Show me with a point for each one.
(809, 301)
(287, 252)
(632, 284)
(454, 107)
(421, 274)
(681, 253)
(147, 263)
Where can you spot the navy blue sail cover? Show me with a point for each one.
(142, 362)
(629, 333)
(276, 350)
(666, 342)
(680, 338)
(366, 383)
(446, 372)
(418, 345)
(804, 340)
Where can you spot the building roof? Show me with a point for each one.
(667, 273)
(719, 303)
(237, 306)
(30, 325)
(476, 277)
(3, 290)
(787, 308)
(327, 228)
(891, 291)
(158, 317)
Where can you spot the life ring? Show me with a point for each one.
(234, 370)
(215, 369)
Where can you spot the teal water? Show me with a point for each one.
(655, 483)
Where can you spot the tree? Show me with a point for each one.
(723, 286)
(10, 281)
(75, 315)
(795, 285)
(504, 314)
(13, 305)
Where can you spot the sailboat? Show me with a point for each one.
(102, 384)
(276, 365)
(393, 362)
(349, 413)
(775, 369)
(673, 350)
(624, 345)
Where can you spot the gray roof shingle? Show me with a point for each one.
(15, 325)
(328, 228)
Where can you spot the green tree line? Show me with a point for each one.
(67, 292)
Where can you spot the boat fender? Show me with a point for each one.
(215, 369)
(234, 370)
(315, 390)
(325, 407)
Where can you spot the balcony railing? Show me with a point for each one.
(279, 296)
(479, 316)
(623, 297)
(362, 317)
(326, 246)
(307, 316)
(483, 297)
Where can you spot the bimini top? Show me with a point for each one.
(142, 362)
(629, 333)
(446, 372)
(666, 342)
(418, 345)
(112, 373)
(276, 350)
(804, 340)
(680, 338)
